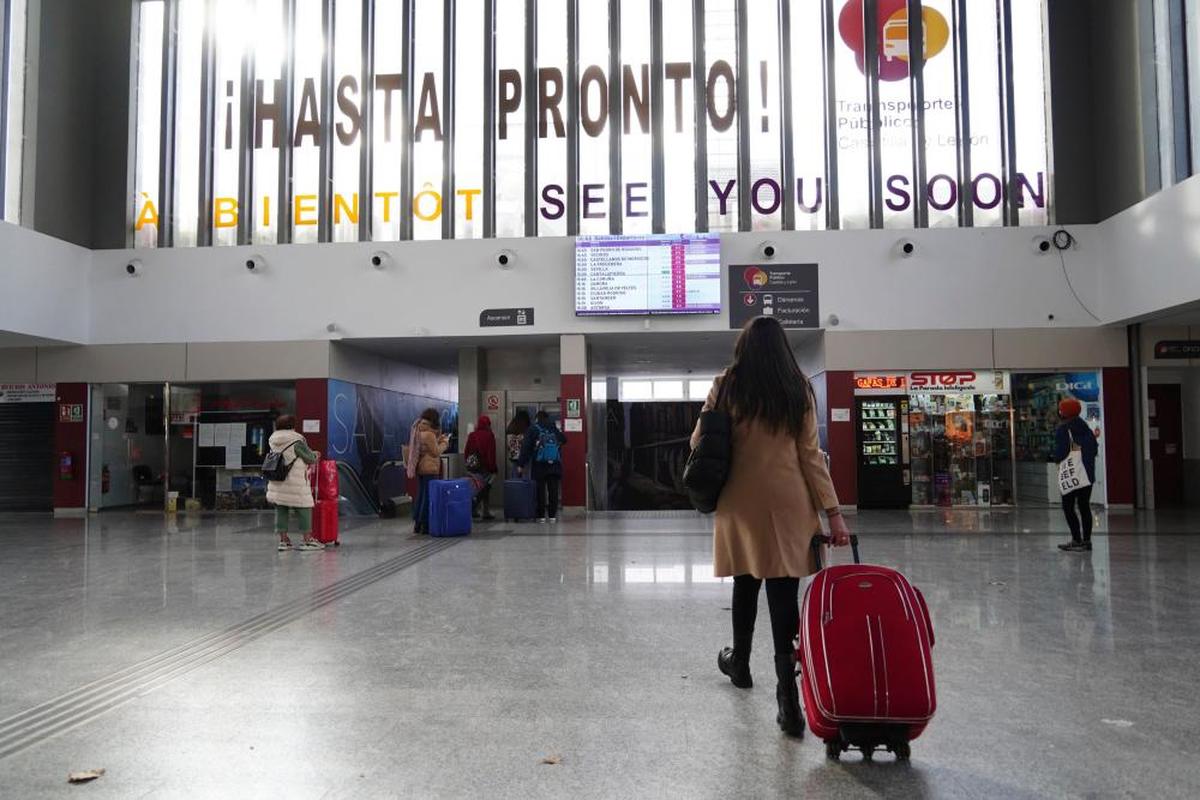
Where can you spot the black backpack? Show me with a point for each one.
(707, 467)
(275, 467)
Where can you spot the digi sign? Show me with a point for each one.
(880, 383)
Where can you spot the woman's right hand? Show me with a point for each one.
(839, 531)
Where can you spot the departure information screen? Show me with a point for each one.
(648, 274)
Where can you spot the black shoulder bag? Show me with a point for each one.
(707, 467)
(274, 467)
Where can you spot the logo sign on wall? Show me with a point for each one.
(787, 292)
(27, 392)
(505, 317)
(963, 381)
(1174, 349)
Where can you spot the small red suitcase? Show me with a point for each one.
(865, 658)
(325, 512)
(325, 522)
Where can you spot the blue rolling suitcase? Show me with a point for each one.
(450, 508)
(520, 499)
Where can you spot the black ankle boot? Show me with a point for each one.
(787, 695)
(735, 662)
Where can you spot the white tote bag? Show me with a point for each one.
(1072, 474)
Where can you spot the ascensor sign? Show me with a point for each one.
(638, 127)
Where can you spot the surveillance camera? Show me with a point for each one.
(1041, 245)
(833, 320)
(381, 260)
(505, 259)
(255, 263)
(907, 247)
(767, 250)
(133, 268)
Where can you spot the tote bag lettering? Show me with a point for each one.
(1072, 474)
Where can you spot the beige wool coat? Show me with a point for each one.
(769, 509)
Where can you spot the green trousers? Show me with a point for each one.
(303, 519)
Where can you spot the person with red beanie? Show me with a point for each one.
(480, 455)
(1073, 434)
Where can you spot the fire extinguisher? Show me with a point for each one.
(105, 479)
(66, 466)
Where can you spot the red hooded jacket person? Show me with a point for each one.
(482, 443)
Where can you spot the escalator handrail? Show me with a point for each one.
(357, 481)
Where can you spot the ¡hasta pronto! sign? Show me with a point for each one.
(262, 114)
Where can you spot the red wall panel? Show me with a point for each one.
(71, 437)
(1119, 458)
(574, 482)
(843, 460)
(312, 402)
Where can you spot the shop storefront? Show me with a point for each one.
(965, 438)
(935, 439)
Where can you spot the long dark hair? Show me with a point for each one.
(764, 382)
(520, 423)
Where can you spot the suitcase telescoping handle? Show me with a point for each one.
(821, 540)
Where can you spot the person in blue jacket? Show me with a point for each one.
(1074, 432)
(543, 446)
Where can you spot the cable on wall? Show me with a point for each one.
(1063, 241)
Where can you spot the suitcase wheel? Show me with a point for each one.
(833, 749)
(903, 751)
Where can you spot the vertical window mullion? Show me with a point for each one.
(408, 129)
(829, 30)
(287, 190)
(1012, 192)
(700, 103)
(489, 119)
(573, 116)
(167, 221)
(742, 82)
(616, 216)
(245, 145)
(325, 170)
(658, 205)
(962, 83)
(208, 89)
(449, 115)
(787, 166)
(6, 32)
(916, 85)
(874, 126)
(366, 162)
(531, 118)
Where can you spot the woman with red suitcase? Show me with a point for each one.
(292, 496)
(769, 508)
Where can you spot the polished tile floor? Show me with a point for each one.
(189, 659)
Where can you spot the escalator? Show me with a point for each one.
(354, 498)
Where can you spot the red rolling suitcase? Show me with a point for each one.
(866, 671)
(325, 512)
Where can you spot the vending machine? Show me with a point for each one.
(882, 436)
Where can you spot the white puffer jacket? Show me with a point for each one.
(294, 492)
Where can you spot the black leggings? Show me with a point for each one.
(1083, 499)
(783, 602)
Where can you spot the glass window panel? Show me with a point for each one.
(469, 86)
(428, 130)
(187, 122)
(720, 50)
(593, 117)
(698, 390)
(679, 119)
(306, 145)
(987, 172)
(149, 131)
(389, 122)
(1029, 109)
(636, 390)
(11, 151)
(668, 390)
(895, 115)
(808, 116)
(853, 142)
(766, 194)
(941, 132)
(510, 119)
(231, 46)
(347, 133)
(270, 47)
(552, 117)
(636, 141)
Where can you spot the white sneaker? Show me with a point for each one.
(541, 520)
(553, 520)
